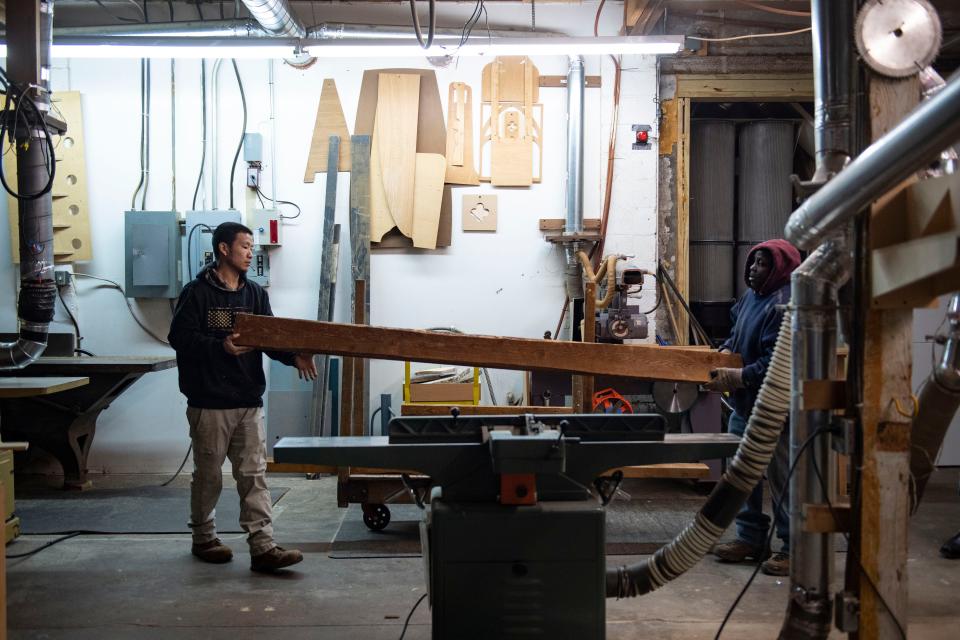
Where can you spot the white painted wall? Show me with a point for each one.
(507, 283)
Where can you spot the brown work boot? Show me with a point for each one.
(777, 565)
(214, 551)
(740, 551)
(276, 558)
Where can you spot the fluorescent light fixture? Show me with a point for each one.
(261, 48)
(479, 46)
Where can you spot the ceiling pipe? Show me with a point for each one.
(251, 29)
(276, 17)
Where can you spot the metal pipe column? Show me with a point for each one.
(574, 194)
(37, 289)
(814, 300)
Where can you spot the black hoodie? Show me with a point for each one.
(210, 377)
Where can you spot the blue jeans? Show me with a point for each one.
(753, 524)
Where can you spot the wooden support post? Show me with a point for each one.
(588, 335)
(885, 477)
(360, 366)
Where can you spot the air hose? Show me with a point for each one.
(742, 475)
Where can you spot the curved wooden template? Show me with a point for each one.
(395, 130)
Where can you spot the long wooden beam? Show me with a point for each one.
(648, 362)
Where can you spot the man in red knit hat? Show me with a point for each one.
(757, 316)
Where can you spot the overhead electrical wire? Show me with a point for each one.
(747, 36)
(113, 285)
(243, 128)
(432, 28)
(778, 11)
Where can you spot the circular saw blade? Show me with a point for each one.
(674, 397)
(898, 38)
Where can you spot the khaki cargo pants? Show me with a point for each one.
(236, 434)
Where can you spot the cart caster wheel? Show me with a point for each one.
(376, 516)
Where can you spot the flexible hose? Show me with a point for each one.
(742, 475)
(607, 268)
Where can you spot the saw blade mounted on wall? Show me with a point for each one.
(898, 38)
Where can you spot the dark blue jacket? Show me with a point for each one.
(210, 377)
(756, 323)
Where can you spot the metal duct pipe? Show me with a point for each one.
(928, 130)
(277, 17)
(834, 69)
(574, 196)
(814, 287)
(938, 403)
(814, 301)
(38, 293)
(575, 98)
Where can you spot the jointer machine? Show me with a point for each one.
(513, 527)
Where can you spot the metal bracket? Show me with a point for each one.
(847, 612)
(844, 434)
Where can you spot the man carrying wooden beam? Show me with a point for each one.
(224, 385)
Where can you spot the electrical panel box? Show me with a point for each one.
(259, 270)
(198, 238)
(267, 226)
(152, 254)
(252, 147)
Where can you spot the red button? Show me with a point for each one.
(643, 137)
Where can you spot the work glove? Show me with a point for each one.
(725, 380)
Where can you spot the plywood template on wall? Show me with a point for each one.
(329, 122)
(71, 217)
(395, 134)
(510, 130)
(460, 167)
(431, 138)
(479, 212)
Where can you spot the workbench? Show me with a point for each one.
(64, 421)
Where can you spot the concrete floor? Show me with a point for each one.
(150, 587)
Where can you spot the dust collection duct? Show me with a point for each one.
(38, 292)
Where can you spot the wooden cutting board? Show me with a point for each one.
(460, 167)
(427, 198)
(395, 137)
(329, 122)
